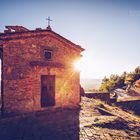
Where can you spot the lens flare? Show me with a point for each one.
(78, 65)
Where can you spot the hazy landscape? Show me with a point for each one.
(90, 84)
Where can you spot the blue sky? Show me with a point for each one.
(109, 30)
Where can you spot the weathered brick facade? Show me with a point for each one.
(24, 63)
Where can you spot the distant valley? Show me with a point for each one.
(90, 84)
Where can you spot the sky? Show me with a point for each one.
(108, 30)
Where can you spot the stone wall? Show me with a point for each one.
(22, 85)
(130, 105)
(103, 96)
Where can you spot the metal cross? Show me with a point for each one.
(48, 20)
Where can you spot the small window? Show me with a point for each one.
(48, 54)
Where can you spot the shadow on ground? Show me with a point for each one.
(118, 124)
(56, 125)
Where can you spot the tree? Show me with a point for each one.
(137, 73)
(116, 81)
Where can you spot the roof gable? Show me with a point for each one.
(22, 33)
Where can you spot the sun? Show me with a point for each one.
(85, 65)
(78, 66)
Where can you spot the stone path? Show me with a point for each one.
(118, 126)
(87, 124)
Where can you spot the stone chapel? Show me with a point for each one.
(37, 70)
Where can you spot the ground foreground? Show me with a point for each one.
(95, 120)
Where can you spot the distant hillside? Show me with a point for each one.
(90, 84)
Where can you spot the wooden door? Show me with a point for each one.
(47, 90)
